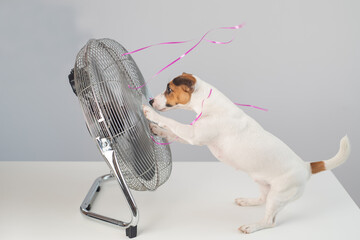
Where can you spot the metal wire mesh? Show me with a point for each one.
(112, 110)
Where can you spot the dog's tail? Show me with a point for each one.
(334, 162)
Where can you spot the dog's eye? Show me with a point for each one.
(168, 89)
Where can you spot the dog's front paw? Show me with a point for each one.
(155, 129)
(150, 113)
(161, 132)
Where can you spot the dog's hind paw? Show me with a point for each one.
(250, 228)
(249, 201)
(247, 228)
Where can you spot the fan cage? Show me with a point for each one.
(113, 111)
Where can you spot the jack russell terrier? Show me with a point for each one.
(238, 140)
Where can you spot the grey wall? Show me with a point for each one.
(298, 58)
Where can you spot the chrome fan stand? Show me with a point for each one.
(131, 226)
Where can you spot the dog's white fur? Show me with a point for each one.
(238, 140)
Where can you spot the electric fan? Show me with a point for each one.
(114, 118)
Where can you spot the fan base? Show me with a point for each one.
(131, 227)
(131, 231)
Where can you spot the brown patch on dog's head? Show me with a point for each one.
(179, 90)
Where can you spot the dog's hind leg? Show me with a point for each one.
(275, 201)
(264, 190)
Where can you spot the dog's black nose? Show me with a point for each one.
(151, 102)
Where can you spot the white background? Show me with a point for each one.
(300, 59)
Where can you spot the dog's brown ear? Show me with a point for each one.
(187, 81)
(187, 88)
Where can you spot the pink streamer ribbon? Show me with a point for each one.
(186, 53)
(247, 105)
(156, 44)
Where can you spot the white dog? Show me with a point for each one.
(238, 140)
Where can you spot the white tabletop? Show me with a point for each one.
(41, 200)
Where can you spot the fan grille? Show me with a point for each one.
(112, 110)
